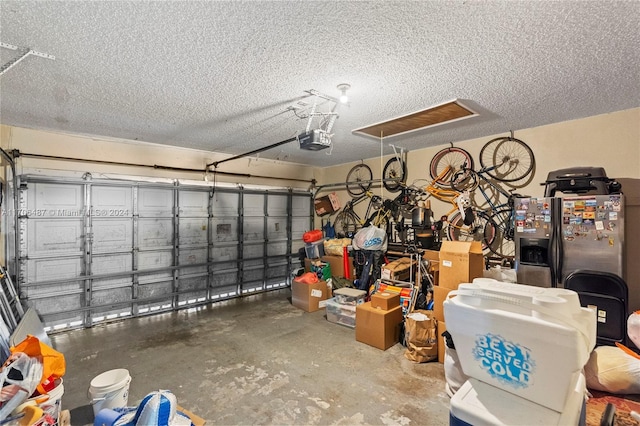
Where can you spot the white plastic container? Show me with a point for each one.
(529, 341)
(110, 390)
(479, 404)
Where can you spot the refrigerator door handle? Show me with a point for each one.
(552, 241)
(559, 251)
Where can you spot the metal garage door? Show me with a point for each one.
(97, 250)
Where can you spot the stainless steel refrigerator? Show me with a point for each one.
(558, 235)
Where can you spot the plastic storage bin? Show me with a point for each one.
(344, 314)
(314, 250)
(350, 296)
(529, 341)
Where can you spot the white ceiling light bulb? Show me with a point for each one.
(343, 89)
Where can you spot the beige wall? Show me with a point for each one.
(610, 140)
(97, 148)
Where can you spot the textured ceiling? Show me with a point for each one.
(222, 76)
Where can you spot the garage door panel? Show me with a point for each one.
(222, 279)
(277, 248)
(225, 204)
(192, 257)
(224, 253)
(58, 304)
(253, 205)
(156, 290)
(193, 203)
(253, 275)
(56, 200)
(53, 269)
(277, 205)
(111, 235)
(193, 231)
(110, 296)
(277, 271)
(154, 260)
(277, 228)
(193, 283)
(298, 227)
(255, 254)
(301, 206)
(253, 229)
(115, 200)
(48, 236)
(111, 264)
(155, 202)
(224, 230)
(155, 233)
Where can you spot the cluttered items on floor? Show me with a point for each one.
(32, 384)
(157, 408)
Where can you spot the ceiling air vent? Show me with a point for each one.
(437, 115)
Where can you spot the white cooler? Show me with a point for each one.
(479, 404)
(522, 344)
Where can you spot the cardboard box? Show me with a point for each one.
(399, 269)
(439, 295)
(385, 301)
(460, 262)
(431, 255)
(378, 328)
(327, 204)
(442, 327)
(309, 297)
(337, 266)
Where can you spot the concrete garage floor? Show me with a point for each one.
(256, 360)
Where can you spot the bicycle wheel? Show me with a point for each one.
(359, 179)
(476, 231)
(453, 157)
(507, 159)
(503, 244)
(346, 224)
(394, 169)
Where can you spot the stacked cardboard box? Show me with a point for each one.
(459, 262)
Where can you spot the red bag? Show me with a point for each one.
(308, 278)
(312, 236)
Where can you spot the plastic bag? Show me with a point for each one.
(53, 363)
(612, 369)
(312, 236)
(370, 238)
(335, 247)
(308, 278)
(633, 328)
(19, 377)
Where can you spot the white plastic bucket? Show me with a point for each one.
(110, 390)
